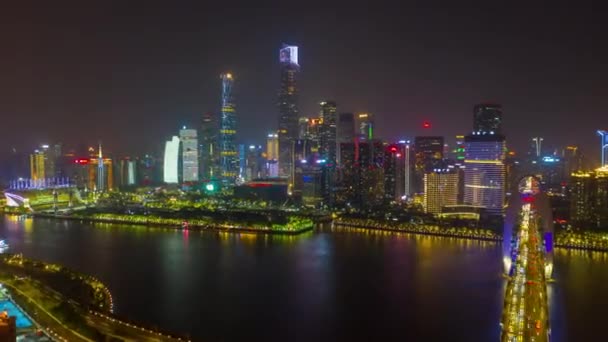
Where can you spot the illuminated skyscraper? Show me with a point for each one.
(272, 147)
(171, 164)
(604, 147)
(327, 148)
(288, 109)
(37, 169)
(208, 146)
(189, 141)
(589, 199)
(428, 156)
(365, 126)
(484, 173)
(440, 189)
(487, 118)
(229, 161)
(101, 172)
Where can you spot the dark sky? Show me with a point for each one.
(132, 73)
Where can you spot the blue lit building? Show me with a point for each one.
(229, 161)
(485, 173)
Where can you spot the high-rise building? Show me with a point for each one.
(589, 199)
(288, 109)
(346, 127)
(440, 189)
(484, 173)
(303, 125)
(37, 165)
(394, 171)
(272, 147)
(228, 155)
(189, 141)
(604, 147)
(171, 164)
(327, 148)
(365, 126)
(487, 118)
(428, 155)
(208, 147)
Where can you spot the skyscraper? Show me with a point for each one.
(428, 155)
(208, 146)
(589, 199)
(171, 164)
(365, 126)
(327, 138)
(288, 109)
(440, 189)
(189, 141)
(484, 173)
(346, 128)
(229, 161)
(487, 118)
(37, 169)
(101, 172)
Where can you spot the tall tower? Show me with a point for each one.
(100, 171)
(288, 109)
(327, 132)
(229, 161)
(189, 140)
(208, 146)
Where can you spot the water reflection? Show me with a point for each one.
(339, 283)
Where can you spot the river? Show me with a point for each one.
(320, 286)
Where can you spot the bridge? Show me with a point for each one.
(528, 264)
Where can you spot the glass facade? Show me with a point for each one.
(171, 164)
(229, 160)
(189, 140)
(485, 173)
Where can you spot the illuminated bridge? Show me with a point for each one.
(528, 263)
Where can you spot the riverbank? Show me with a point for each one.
(53, 296)
(295, 225)
(421, 229)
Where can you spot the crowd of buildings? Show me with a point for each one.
(335, 160)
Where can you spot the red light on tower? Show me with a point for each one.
(426, 124)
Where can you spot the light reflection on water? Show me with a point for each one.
(335, 281)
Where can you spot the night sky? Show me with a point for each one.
(132, 75)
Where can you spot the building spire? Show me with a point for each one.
(100, 153)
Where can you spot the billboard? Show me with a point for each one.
(289, 54)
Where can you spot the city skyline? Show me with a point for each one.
(55, 96)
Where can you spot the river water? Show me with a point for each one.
(321, 286)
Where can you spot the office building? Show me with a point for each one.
(485, 173)
(440, 190)
(303, 128)
(327, 138)
(208, 147)
(189, 140)
(428, 156)
(365, 126)
(346, 128)
(229, 162)
(37, 165)
(487, 118)
(288, 109)
(171, 161)
(589, 199)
